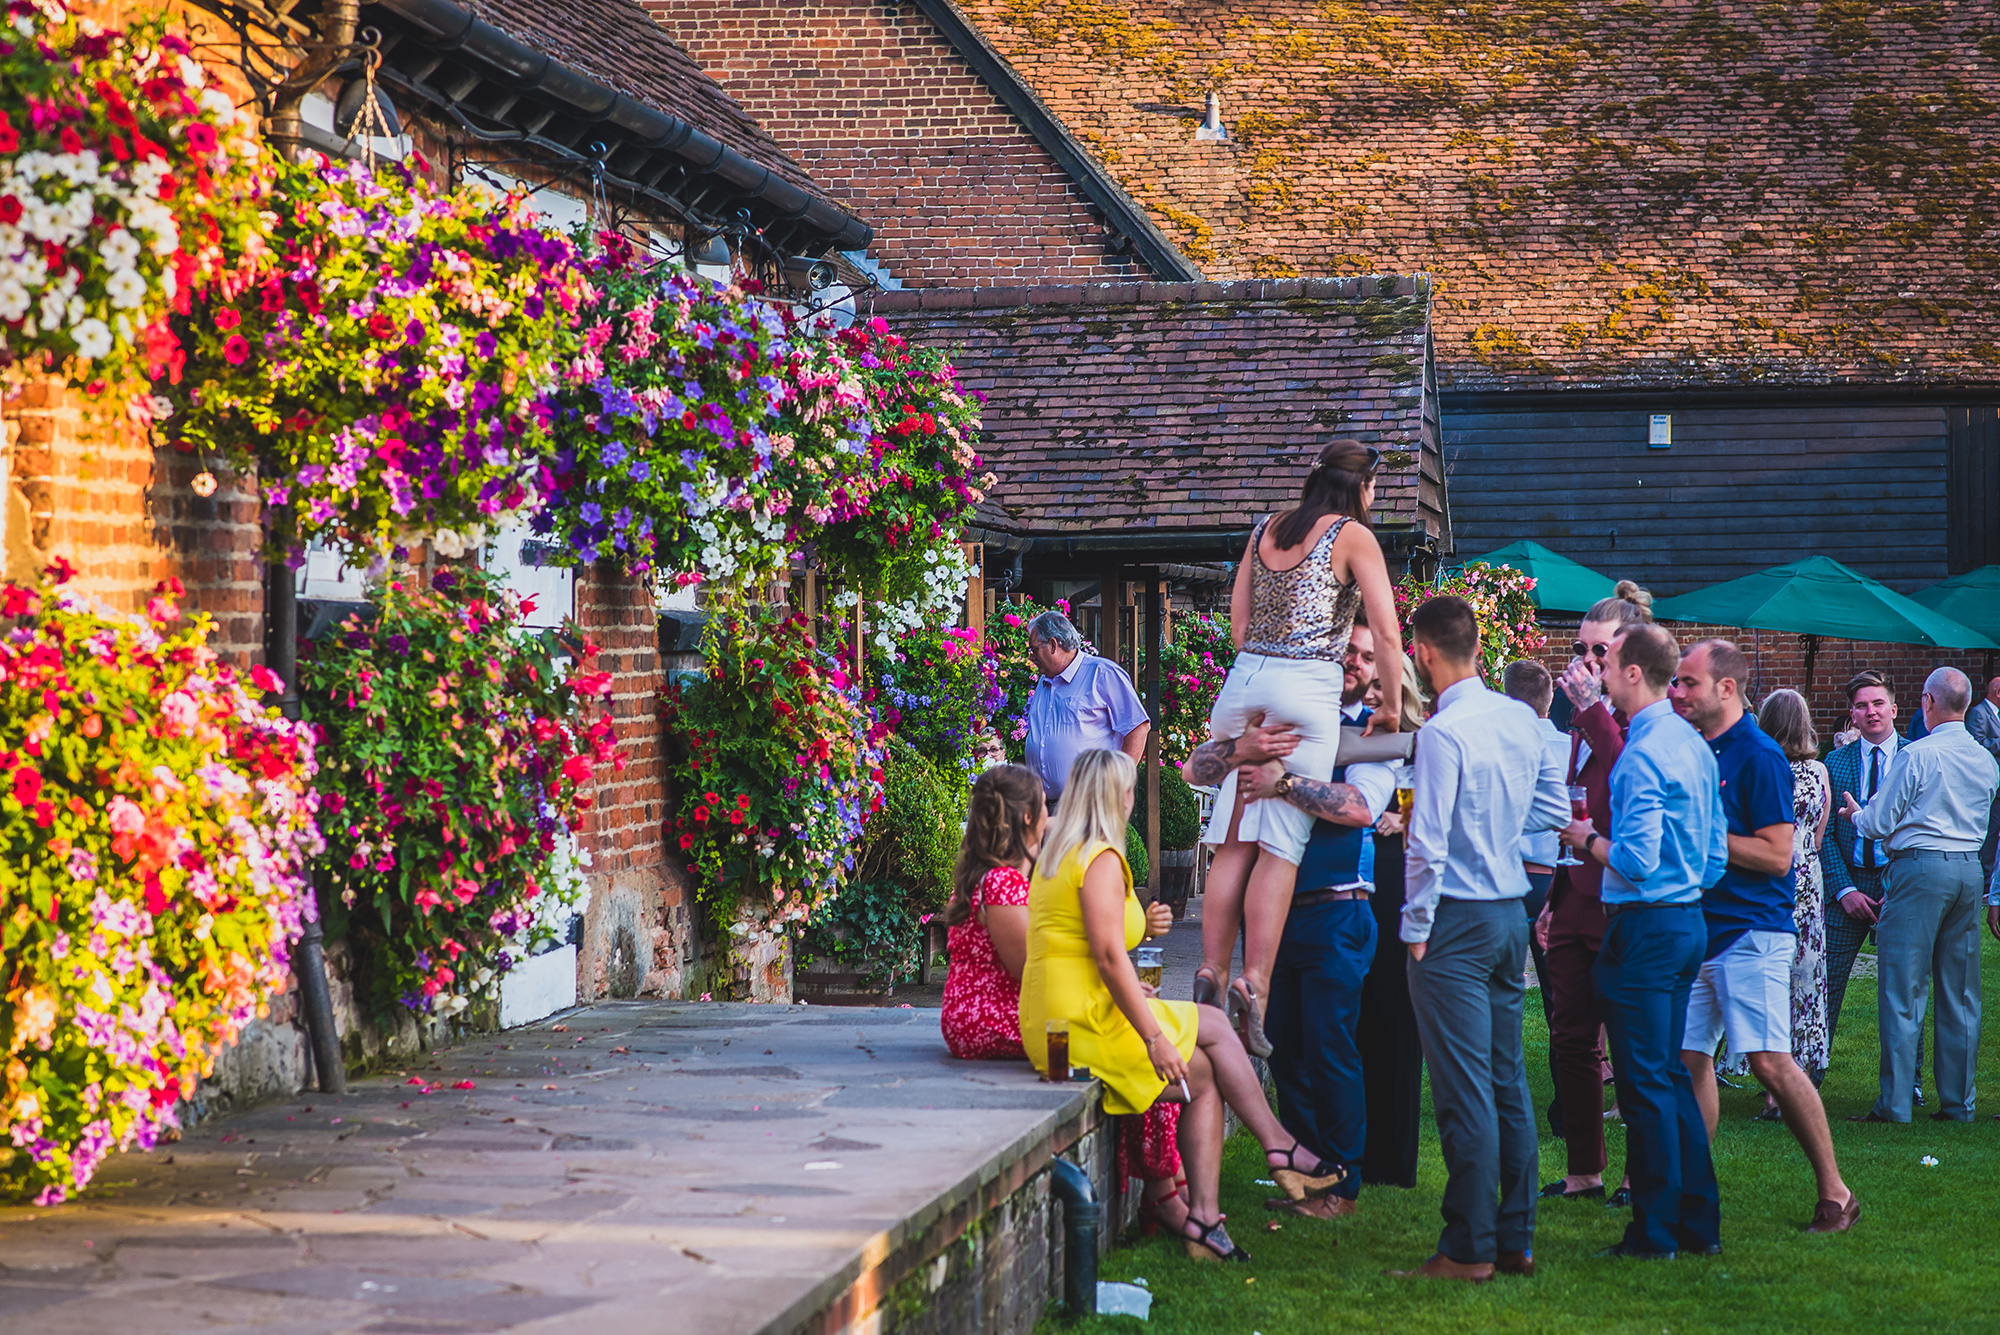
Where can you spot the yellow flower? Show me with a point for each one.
(34, 1019)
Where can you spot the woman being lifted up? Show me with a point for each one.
(1304, 575)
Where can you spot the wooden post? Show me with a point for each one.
(1109, 596)
(859, 602)
(1150, 638)
(975, 588)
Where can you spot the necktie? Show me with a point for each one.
(1874, 782)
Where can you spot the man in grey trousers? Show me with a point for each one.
(1483, 777)
(1932, 813)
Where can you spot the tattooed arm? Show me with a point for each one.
(1341, 803)
(1212, 761)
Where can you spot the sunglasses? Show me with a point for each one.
(1582, 650)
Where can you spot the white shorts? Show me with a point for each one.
(1302, 694)
(1744, 994)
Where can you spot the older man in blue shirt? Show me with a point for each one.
(1082, 703)
(1669, 840)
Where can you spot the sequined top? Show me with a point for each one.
(1303, 612)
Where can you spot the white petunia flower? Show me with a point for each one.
(93, 339)
(125, 288)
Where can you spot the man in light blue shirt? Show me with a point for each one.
(1082, 703)
(1669, 840)
(1483, 777)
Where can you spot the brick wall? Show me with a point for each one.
(1777, 659)
(638, 921)
(884, 114)
(85, 483)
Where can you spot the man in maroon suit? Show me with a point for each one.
(1572, 925)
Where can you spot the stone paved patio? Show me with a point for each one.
(631, 1166)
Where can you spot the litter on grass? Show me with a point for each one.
(1123, 1300)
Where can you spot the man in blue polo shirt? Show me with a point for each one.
(1744, 990)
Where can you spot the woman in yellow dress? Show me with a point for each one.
(1082, 918)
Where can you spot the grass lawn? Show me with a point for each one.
(1919, 1260)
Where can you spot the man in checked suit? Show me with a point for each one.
(1852, 867)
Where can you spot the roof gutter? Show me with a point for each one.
(1121, 211)
(444, 26)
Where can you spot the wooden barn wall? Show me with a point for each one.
(1740, 489)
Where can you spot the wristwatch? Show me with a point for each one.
(1283, 787)
(1588, 843)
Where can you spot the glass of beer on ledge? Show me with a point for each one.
(1058, 1035)
(1151, 965)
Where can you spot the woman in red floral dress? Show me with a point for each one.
(987, 920)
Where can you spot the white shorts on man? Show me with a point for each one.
(1745, 995)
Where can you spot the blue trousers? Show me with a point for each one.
(1310, 1017)
(1643, 975)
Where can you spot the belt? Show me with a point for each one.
(1329, 896)
(1613, 910)
(1899, 853)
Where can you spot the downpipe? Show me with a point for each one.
(281, 653)
(1083, 1219)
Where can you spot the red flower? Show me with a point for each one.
(735, 818)
(27, 786)
(10, 207)
(235, 350)
(380, 325)
(700, 813)
(273, 297)
(687, 842)
(743, 801)
(227, 318)
(10, 138)
(200, 137)
(72, 142)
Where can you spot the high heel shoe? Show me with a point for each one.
(1302, 1185)
(1205, 993)
(1204, 1245)
(1247, 1015)
(1151, 1220)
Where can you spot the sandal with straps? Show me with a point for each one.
(1203, 1247)
(1303, 1185)
(1246, 1013)
(1151, 1220)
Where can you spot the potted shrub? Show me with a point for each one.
(1180, 832)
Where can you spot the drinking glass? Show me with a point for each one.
(1058, 1034)
(1406, 797)
(1579, 800)
(1151, 965)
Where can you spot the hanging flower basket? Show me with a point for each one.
(155, 826)
(464, 753)
(690, 441)
(127, 180)
(389, 373)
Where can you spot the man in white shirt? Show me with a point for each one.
(1483, 776)
(1931, 816)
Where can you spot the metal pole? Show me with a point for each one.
(281, 654)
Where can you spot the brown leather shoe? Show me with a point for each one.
(1441, 1266)
(1833, 1217)
(1516, 1263)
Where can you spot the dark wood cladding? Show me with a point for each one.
(1741, 488)
(1973, 475)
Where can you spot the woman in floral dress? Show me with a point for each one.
(1787, 720)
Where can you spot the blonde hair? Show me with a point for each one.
(1093, 809)
(1627, 603)
(1415, 703)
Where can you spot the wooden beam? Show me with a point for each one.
(1150, 638)
(975, 588)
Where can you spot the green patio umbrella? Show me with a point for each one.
(1971, 599)
(1821, 597)
(1561, 585)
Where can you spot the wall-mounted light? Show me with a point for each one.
(802, 273)
(709, 250)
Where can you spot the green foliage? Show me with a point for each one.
(940, 690)
(457, 754)
(1180, 814)
(904, 874)
(1014, 672)
(1192, 669)
(1135, 853)
(776, 767)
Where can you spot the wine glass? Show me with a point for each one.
(1579, 807)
